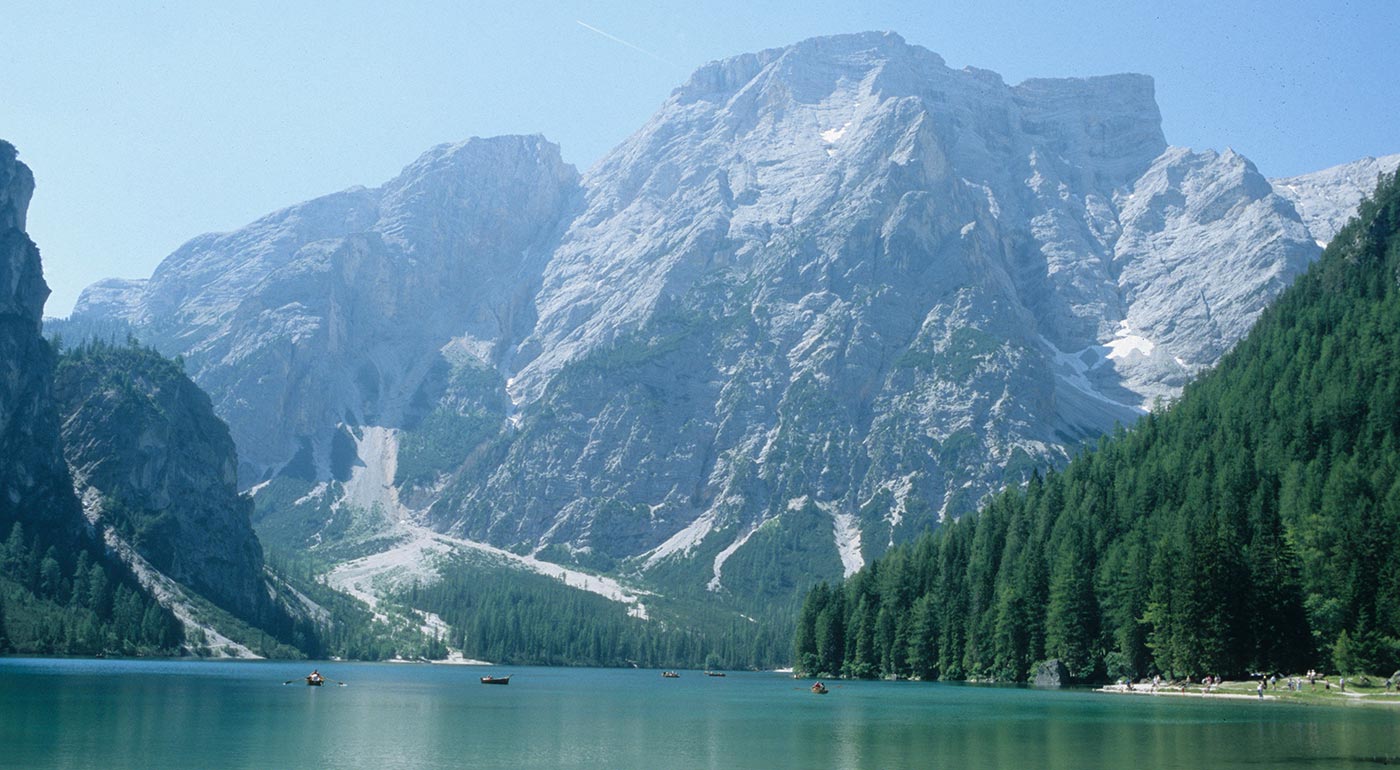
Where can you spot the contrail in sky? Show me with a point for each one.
(616, 39)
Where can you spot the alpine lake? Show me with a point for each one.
(74, 713)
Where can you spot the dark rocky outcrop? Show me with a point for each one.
(34, 485)
(1051, 673)
(105, 450)
(150, 458)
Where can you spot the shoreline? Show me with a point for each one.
(1118, 689)
(1244, 691)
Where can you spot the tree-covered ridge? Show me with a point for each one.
(143, 443)
(1254, 525)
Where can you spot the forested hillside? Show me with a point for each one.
(1254, 525)
(56, 601)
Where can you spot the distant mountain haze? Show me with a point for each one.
(829, 296)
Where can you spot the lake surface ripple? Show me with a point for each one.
(189, 714)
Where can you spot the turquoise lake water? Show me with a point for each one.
(172, 714)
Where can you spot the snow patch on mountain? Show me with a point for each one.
(1125, 343)
(1073, 369)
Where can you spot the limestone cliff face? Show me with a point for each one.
(34, 483)
(1327, 199)
(834, 293)
(828, 296)
(348, 310)
(148, 454)
(149, 460)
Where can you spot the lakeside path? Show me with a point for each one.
(1246, 691)
(1177, 692)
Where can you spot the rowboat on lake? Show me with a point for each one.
(495, 680)
(670, 675)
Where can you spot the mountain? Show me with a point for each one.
(59, 589)
(1252, 526)
(1328, 198)
(337, 311)
(34, 483)
(152, 463)
(125, 531)
(828, 297)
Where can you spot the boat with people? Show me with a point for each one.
(495, 680)
(315, 679)
(670, 675)
(714, 673)
(819, 689)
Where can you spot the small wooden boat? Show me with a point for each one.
(314, 682)
(714, 673)
(819, 688)
(670, 675)
(495, 680)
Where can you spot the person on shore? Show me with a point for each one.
(1261, 689)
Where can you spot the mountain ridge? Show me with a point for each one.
(827, 297)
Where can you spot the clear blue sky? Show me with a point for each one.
(149, 123)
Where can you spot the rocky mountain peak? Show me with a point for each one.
(22, 287)
(1327, 199)
(826, 297)
(817, 136)
(349, 298)
(16, 188)
(34, 483)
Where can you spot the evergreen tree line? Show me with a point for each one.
(53, 601)
(1252, 526)
(507, 616)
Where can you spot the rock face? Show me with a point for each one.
(1327, 199)
(335, 312)
(150, 458)
(34, 483)
(834, 293)
(147, 452)
(828, 296)
(1051, 673)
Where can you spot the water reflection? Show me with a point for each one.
(179, 715)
